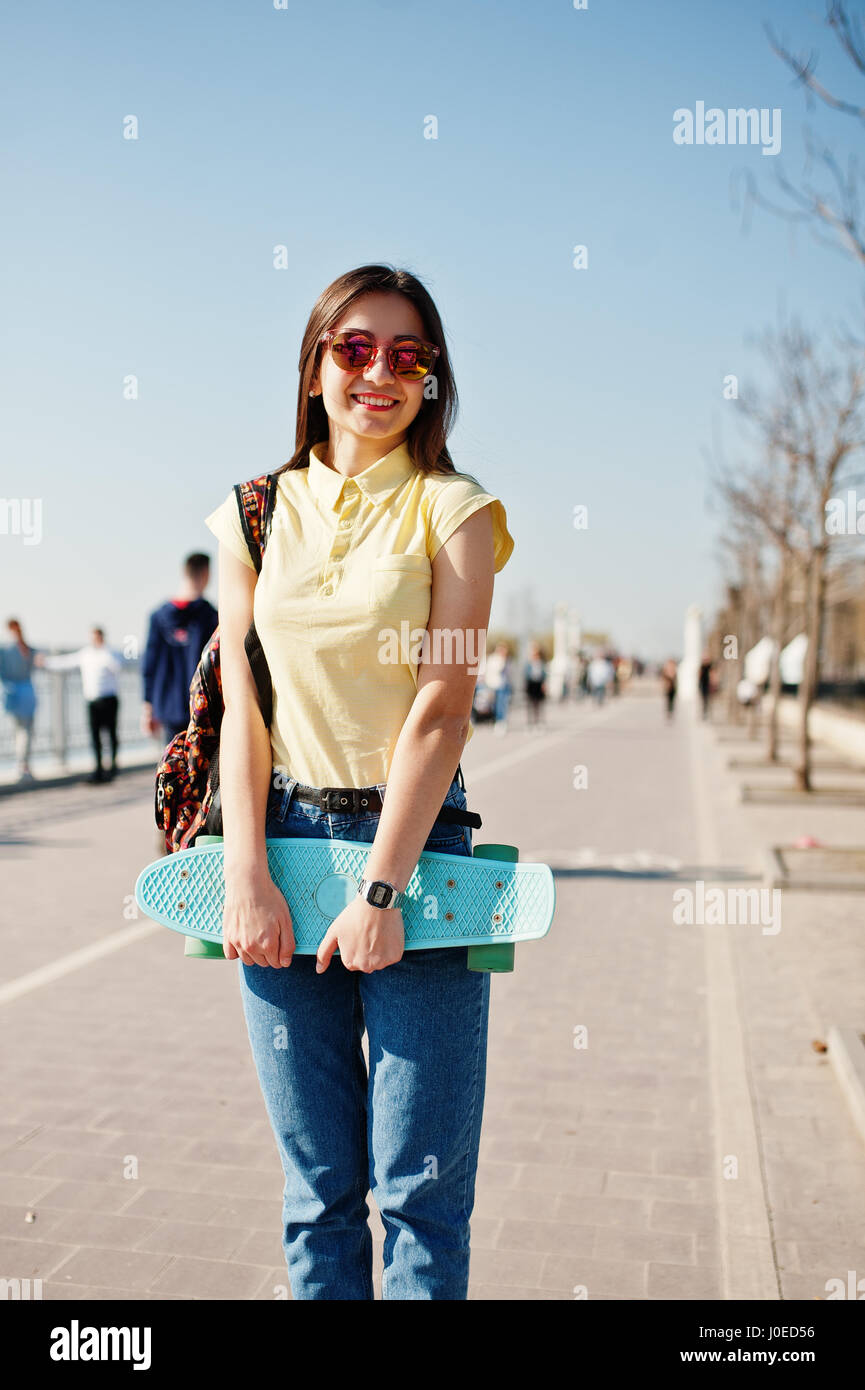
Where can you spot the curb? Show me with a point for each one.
(777, 875)
(847, 1055)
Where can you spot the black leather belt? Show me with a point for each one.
(355, 800)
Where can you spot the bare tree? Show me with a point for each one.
(822, 431)
(767, 494)
(810, 432)
(830, 199)
(742, 549)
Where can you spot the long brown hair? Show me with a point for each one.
(427, 434)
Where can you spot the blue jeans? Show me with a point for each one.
(503, 700)
(409, 1131)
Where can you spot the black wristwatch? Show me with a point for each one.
(380, 894)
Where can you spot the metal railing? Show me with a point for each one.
(61, 726)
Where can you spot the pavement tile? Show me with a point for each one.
(832, 1259)
(216, 1152)
(620, 1278)
(54, 1292)
(673, 1187)
(211, 1279)
(518, 1267)
(260, 1248)
(166, 1205)
(674, 1281)
(500, 1293)
(198, 1239)
(84, 1196)
(552, 1237)
(498, 1175)
(31, 1259)
(89, 1228)
(548, 1177)
(622, 1243)
(685, 1163)
(57, 1139)
(224, 1183)
(13, 1222)
(603, 1211)
(520, 1205)
(20, 1160)
(699, 1217)
(110, 1268)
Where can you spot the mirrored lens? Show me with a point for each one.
(350, 351)
(411, 360)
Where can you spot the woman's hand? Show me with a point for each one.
(256, 922)
(369, 938)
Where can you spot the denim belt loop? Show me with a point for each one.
(286, 797)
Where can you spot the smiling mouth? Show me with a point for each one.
(372, 402)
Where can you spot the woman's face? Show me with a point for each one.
(372, 403)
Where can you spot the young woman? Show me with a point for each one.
(375, 538)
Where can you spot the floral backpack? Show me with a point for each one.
(187, 778)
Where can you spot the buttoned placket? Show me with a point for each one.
(349, 505)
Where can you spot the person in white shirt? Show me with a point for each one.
(99, 667)
(600, 674)
(497, 677)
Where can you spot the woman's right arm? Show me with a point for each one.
(256, 924)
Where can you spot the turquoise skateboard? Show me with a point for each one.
(487, 902)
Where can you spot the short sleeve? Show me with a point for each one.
(225, 525)
(453, 502)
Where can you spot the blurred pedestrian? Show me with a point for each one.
(99, 666)
(497, 677)
(536, 689)
(706, 684)
(177, 634)
(600, 674)
(669, 681)
(580, 666)
(17, 660)
(748, 695)
(584, 678)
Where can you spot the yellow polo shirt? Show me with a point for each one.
(340, 603)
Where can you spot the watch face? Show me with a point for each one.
(380, 895)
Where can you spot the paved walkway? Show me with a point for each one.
(135, 1132)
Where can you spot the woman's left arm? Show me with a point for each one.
(430, 744)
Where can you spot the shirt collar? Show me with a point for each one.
(376, 482)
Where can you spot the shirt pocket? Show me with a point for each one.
(400, 587)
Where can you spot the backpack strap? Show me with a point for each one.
(255, 502)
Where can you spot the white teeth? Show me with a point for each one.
(375, 400)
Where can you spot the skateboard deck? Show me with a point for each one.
(451, 899)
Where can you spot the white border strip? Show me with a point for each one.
(76, 960)
(747, 1254)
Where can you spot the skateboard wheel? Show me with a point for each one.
(497, 959)
(203, 950)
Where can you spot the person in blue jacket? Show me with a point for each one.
(19, 698)
(178, 632)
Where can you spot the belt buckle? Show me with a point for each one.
(345, 800)
(341, 800)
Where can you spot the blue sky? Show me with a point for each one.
(304, 127)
